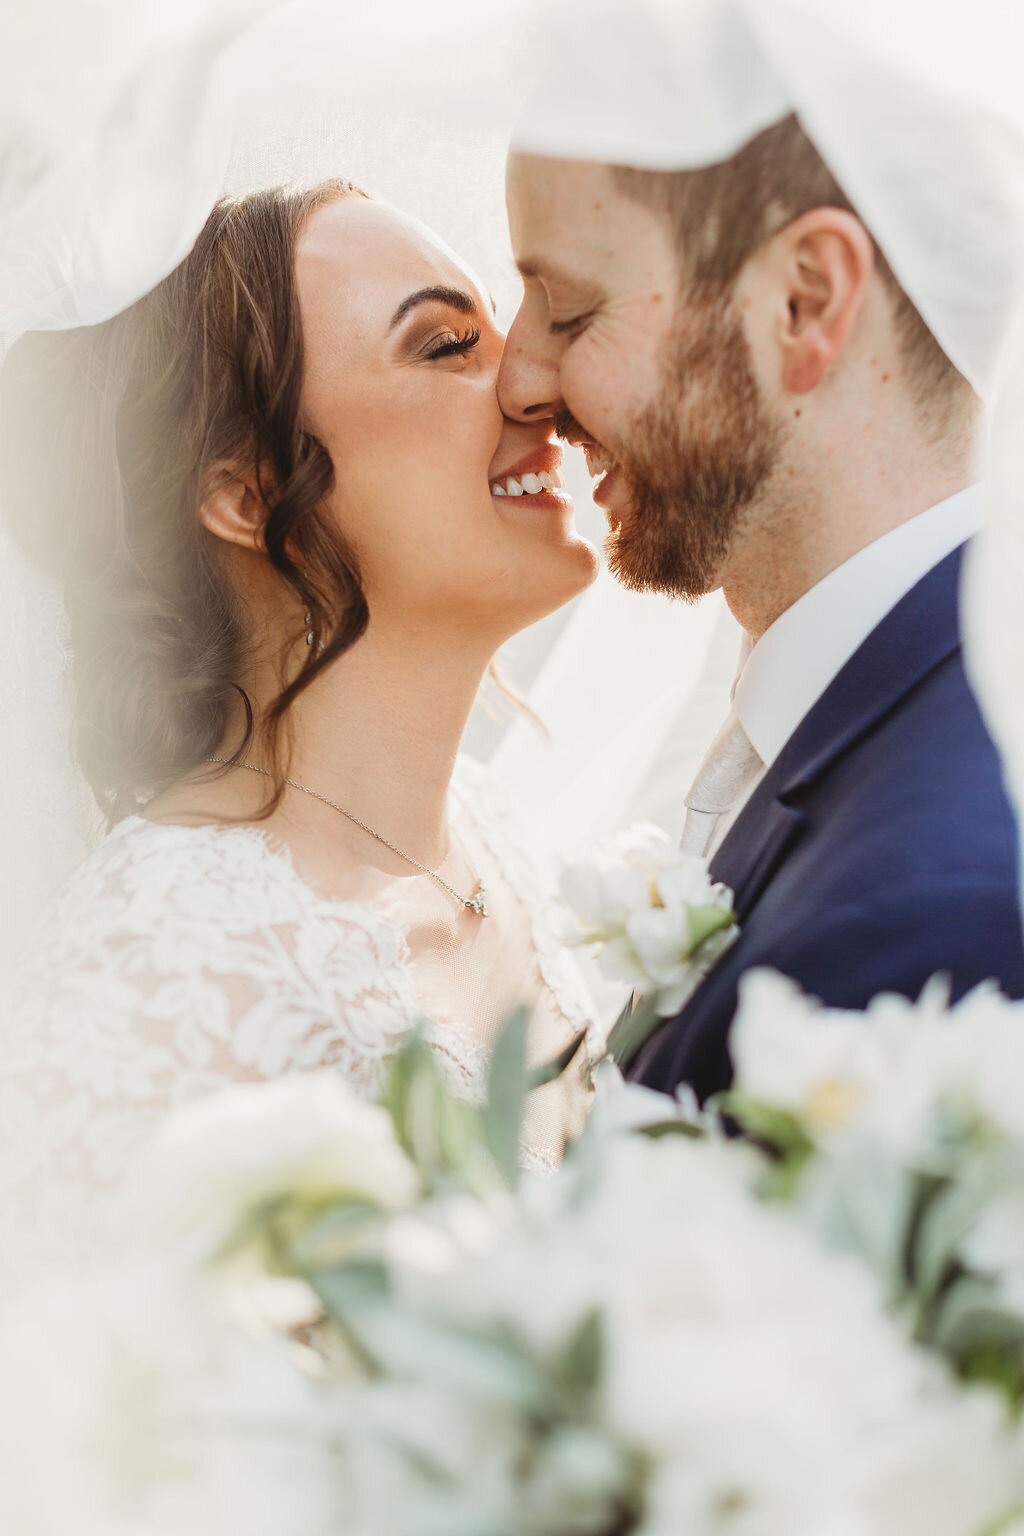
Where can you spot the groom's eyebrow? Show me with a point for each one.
(554, 276)
(534, 266)
(455, 298)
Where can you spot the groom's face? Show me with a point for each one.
(659, 387)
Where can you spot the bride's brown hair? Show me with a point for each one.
(112, 435)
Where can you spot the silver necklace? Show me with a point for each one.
(476, 903)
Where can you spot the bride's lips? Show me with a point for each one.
(533, 481)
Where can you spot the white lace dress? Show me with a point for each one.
(178, 960)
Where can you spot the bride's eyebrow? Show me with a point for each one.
(455, 298)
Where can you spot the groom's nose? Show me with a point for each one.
(529, 387)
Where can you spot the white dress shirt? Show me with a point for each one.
(785, 674)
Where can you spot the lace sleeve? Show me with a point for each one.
(179, 960)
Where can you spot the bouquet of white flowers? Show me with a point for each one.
(363, 1319)
(899, 1135)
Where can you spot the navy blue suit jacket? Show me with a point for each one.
(879, 848)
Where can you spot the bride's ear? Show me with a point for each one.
(233, 507)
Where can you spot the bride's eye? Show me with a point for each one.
(452, 343)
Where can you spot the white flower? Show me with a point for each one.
(130, 1407)
(894, 1070)
(655, 917)
(758, 1375)
(308, 1135)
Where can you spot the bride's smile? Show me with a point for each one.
(439, 497)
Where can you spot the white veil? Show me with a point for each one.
(918, 110)
(124, 120)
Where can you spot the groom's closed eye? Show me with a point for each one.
(576, 296)
(570, 327)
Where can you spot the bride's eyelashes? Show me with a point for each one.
(452, 343)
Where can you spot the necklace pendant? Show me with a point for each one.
(477, 903)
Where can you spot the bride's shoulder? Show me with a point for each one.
(210, 882)
(148, 868)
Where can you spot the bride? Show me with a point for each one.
(293, 528)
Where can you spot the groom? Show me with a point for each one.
(772, 416)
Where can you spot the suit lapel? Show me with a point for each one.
(755, 847)
(917, 636)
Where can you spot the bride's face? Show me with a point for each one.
(401, 362)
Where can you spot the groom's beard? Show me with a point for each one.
(702, 453)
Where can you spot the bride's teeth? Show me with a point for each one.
(514, 488)
(499, 490)
(549, 482)
(531, 484)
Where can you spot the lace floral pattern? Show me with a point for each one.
(178, 959)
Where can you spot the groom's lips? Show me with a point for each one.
(606, 485)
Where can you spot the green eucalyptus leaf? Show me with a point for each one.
(949, 1218)
(352, 1296)
(329, 1236)
(780, 1129)
(702, 923)
(862, 1202)
(972, 1318)
(554, 1069)
(582, 1363)
(507, 1085)
(659, 1128)
(633, 1028)
(487, 1364)
(410, 1065)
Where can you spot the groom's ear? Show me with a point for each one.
(233, 506)
(825, 261)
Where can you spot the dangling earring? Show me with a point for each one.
(311, 633)
(308, 617)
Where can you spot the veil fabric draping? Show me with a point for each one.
(919, 113)
(915, 109)
(124, 120)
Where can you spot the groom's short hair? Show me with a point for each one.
(721, 213)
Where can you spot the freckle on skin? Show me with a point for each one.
(885, 378)
(796, 412)
(655, 298)
(874, 362)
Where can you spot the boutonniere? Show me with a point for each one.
(653, 918)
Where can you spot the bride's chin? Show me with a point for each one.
(567, 569)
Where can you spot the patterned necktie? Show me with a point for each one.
(731, 763)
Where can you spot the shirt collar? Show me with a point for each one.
(795, 660)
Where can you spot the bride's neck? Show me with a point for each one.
(379, 733)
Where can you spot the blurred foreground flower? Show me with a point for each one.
(340, 1318)
(899, 1134)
